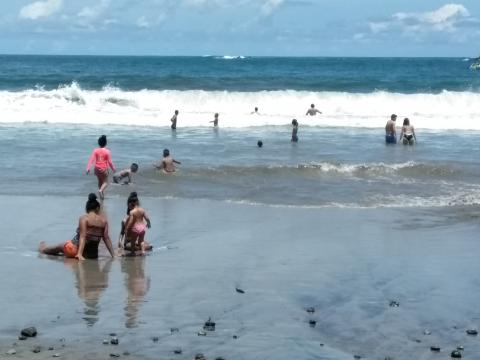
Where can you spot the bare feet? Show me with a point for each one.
(101, 195)
(41, 247)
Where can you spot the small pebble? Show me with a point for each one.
(114, 355)
(456, 354)
(202, 333)
(199, 356)
(357, 357)
(235, 336)
(155, 338)
(240, 291)
(312, 323)
(105, 342)
(209, 325)
(427, 332)
(435, 348)
(29, 332)
(22, 337)
(11, 352)
(126, 353)
(177, 351)
(460, 348)
(322, 344)
(174, 330)
(37, 349)
(114, 341)
(113, 334)
(50, 348)
(219, 358)
(418, 341)
(310, 310)
(56, 355)
(394, 303)
(472, 332)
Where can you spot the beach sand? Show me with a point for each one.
(348, 264)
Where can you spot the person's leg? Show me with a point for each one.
(50, 250)
(141, 244)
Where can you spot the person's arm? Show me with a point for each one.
(147, 219)
(176, 162)
(413, 132)
(160, 166)
(130, 222)
(91, 160)
(121, 236)
(129, 177)
(110, 163)
(401, 134)
(82, 225)
(107, 241)
(318, 111)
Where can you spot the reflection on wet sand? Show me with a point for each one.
(91, 282)
(137, 286)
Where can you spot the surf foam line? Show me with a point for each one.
(73, 105)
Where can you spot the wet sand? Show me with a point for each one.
(349, 264)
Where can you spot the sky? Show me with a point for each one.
(241, 27)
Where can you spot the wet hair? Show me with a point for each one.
(132, 200)
(312, 106)
(259, 143)
(256, 108)
(134, 167)
(166, 152)
(176, 112)
(294, 122)
(393, 117)
(406, 121)
(102, 141)
(92, 203)
(216, 114)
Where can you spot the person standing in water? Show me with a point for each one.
(215, 120)
(255, 111)
(294, 130)
(390, 130)
(408, 133)
(168, 163)
(174, 120)
(313, 111)
(102, 158)
(92, 228)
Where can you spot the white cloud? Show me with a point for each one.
(142, 22)
(40, 9)
(444, 19)
(93, 12)
(269, 6)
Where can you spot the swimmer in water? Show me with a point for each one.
(215, 120)
(255, 111)
(125, 176)
(259, 143)
(168, 163)
(408, 133)
(313, 111)
(294, 130)
(174, 120)
(390, 130)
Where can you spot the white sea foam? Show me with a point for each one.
(72, 104)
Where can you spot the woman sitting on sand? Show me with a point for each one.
(92, 228)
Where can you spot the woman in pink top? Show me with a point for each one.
(103, 159)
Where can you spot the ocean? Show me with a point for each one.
(339, 221)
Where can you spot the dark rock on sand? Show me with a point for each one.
(114, 341)
(116, 355)
(209, 325)
(435, 348)
(29, 332)
(36, 349)
(357, 357)
(219, 358)
(126, 353)
(22, 337)
(394, 303)
(200, 356)
(460, 348)
(105, 342)
(240, 291)
(427, 332)
(155, 338)
(312, 323)
(456, 354)
(202, 333)
(310, 310)
(11, 352)
(51, 348)
(473, 332)
(322, 344)
(56, 355)
(174, 330)
(177, 351)
(113, 334)
(235, 336)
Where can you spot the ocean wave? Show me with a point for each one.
(112, 105)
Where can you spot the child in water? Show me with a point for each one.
(294, 130)
(168, 163)
(215, 120)
(126, 175)
(137, 223)
(103, 160)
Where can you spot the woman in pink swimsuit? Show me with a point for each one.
(103, 159)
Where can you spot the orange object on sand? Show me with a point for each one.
(70, 249)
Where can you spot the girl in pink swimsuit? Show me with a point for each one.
(103, 159)
(136, 226)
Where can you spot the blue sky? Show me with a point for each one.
(241, 27)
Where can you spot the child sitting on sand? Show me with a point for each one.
(124, 242)
(135, 226)
(125, 175)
